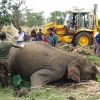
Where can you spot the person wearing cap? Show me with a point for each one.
(52, 38)
(20, 36)
(5, 47)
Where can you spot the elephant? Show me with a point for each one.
(40, 63)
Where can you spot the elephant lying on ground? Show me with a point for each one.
(41, 63)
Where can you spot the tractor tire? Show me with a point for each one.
(82, 39)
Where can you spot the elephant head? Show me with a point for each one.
(82, 69)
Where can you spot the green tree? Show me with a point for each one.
(11, 12)
(34, 19)
(5, 17)
(15, 6)
(57, 16)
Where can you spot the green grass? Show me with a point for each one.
(48, 93)
(94, 59)
(51, 92)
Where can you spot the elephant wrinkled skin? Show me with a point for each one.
(41, 63)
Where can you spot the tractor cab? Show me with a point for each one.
(78, 20)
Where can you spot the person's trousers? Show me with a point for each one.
(97, 49)
(17, 42)
(4, 68)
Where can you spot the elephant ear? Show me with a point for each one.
(74, 71)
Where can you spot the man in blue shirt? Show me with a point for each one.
(97, 40)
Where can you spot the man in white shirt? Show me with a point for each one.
(20, 36)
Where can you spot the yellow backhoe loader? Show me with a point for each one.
(79, 27)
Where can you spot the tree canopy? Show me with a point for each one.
(4, 15)
(33, 18)
(57, 16)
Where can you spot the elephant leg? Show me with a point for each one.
(42, 77)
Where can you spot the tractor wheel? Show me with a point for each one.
(82, 39)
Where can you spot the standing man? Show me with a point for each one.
(5, 47)
(52, 38)
(97, 40)
(40, 35)
(20, 36)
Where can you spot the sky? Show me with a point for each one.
(47, 6)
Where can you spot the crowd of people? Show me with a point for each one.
(51, 38)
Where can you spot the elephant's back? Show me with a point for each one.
(40, 46)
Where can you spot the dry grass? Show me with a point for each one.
(86, 50)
